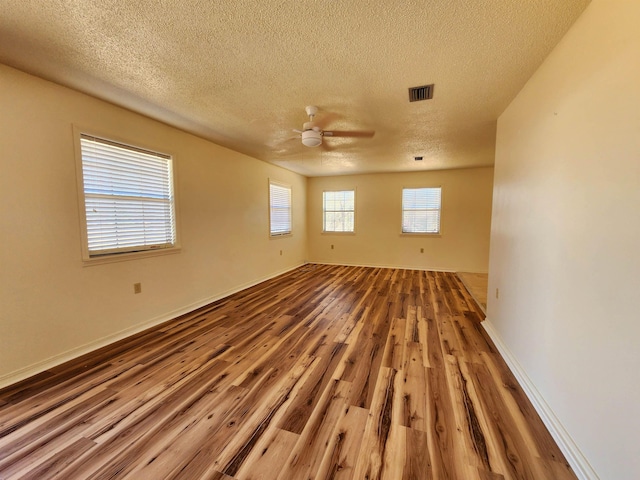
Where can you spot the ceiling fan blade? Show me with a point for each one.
(352, 134)
(327, 118)
(326, 147)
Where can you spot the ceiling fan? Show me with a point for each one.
(312, 134)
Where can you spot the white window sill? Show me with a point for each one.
(420, 234)
(124, 257)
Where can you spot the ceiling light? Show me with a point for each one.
(311, 138)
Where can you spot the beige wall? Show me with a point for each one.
(566, 235)
(466, 218)
(52, 306)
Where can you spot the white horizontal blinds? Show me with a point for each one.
(280, 209)
(128, 197)
(421, 210)
(339, 211)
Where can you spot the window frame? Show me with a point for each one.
(324, 213)
(133, 252)
(439, 209)
(272, 233)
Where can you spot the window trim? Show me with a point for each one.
(281, 185)
(402, 210)
(87, 257)
(337, 232)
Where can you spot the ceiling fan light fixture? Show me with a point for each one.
(311, 138)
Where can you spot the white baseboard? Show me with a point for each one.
(576, 459)
(39, 367)
(399, 267)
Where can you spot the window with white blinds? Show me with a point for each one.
(128, 197)
(279, 209)
(339, 211)
(421, 210)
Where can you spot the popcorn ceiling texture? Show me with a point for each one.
(240, 72)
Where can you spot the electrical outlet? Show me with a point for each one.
(422, 250)
(497, 293)
(280, 252)
(331, 247)
(137, 288)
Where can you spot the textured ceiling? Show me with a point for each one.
(240, 72)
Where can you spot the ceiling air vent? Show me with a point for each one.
(424, 92)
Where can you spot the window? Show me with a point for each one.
(279, 209)
(128, 198)
(338, 211)
(421, 210)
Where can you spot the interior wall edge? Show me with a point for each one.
(579, 463)
(16, 376)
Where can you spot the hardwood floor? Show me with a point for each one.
(477, 285)
(322, 373)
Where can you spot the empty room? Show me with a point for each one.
(320, 240)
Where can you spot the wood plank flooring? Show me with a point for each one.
(325, 372)
(477, 285)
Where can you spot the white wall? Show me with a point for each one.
(465, 221)
(565, 235)
(51, 306)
